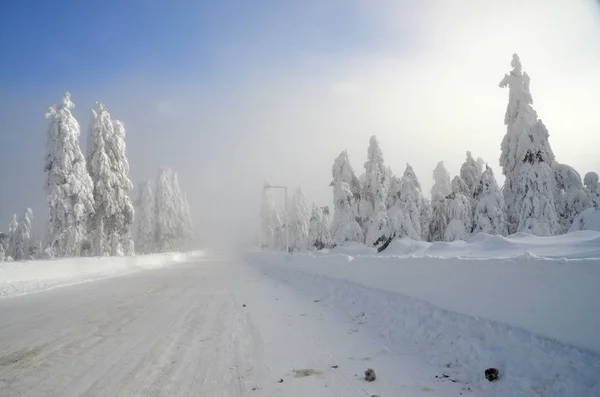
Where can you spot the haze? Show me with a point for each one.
(227, 94)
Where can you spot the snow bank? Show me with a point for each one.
(18, 278)
(554, 298)
(461, 347)
(579, 244)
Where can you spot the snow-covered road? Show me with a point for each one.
(215, 327)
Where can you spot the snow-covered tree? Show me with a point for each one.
(522, 123)
(458, 212)
(324, 229)
(405, 215)
(470, 173)
(299, 221)
(319, 235)
(68, 184)
(372, 206)
(269, 221)
(168, 215)
(440, 189)
(534, 195)
(187, 225)
(313, 228)
(121, 221)
(346, 193)
(570, 195)
(21, 243)
(108, 167)
(99, 168)
(344, 226)
(342, 171)
(425, 218)
(587, 220)
(480, 166)
(441, 186)
(12, 236)
(590, 180)
(489, 212)
(146, 232)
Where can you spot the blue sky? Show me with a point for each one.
(229, 92)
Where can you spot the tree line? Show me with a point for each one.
(90, 211)
(540, 196)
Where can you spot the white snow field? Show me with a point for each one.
(270, 324)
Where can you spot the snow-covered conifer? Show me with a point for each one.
(313, 228)
(319, 235)
(108, 167)
(167, 211)
(480, 166)
(440, 189)
(68, 184)
(344, 226)
(299, 221)
(268, 218)
(12, 236)
(346, 192)
(187, 225)
(458, 212)
(489, 212)
(325, 229)
(534, 195)
(22, 237)
(405, 216)
(590, 180)
(146, 219)
(121, 221)
(522, 123)
(470, 174)
(570, 195)
(372, 206)
(441, 177)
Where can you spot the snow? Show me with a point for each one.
(459, 346)
(522, 303)
(214, 327)
(19, 278)
(271, 324)
(587, 220)
(542, 285)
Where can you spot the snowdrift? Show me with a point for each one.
(578, 244)
(18, 278)
(547, 286)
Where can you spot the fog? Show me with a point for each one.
(426, 83)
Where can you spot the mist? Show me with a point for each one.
(422, 76)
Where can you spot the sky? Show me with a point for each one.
(231, 92)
